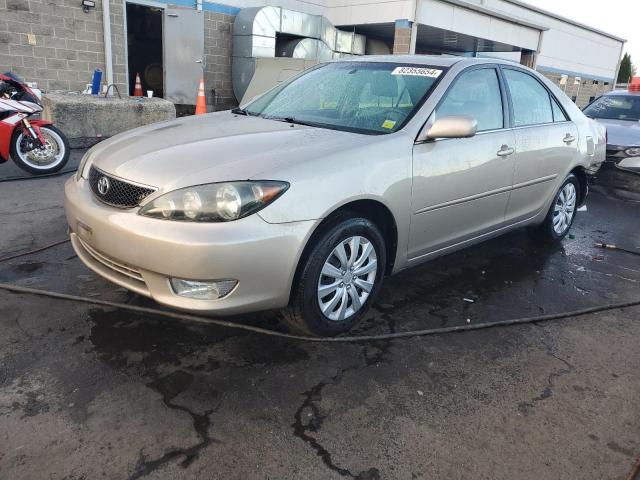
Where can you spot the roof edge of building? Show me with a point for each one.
(496, 13)
(541, 11)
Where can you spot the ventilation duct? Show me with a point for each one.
(313, 38)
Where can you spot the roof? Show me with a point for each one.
(429, 60)
(621, 93)
(434, 60)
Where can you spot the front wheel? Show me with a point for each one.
(562, 212)
(49, 158)
(338, 279)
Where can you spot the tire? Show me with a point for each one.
(304, 313)
(561, 210)
(29, 161)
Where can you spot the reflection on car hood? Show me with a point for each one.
(621, 132)
(214, 148)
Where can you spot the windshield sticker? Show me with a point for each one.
(417, 72)
(389, 124)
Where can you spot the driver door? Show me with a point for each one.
(461, 185)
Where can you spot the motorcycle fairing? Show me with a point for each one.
(7, 129)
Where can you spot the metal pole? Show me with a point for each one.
(414, 27)
(106, 27)
(615, 76)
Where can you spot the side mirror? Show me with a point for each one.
(454, 126)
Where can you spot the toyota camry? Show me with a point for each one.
(305, 198)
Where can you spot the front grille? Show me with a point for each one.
(116, 192)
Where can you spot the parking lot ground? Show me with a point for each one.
(90, 393)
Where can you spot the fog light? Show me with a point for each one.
(202, 290)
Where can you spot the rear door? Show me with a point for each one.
(183, 54)
(461, 185)
(546, 144)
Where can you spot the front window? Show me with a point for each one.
(615, 107)
(364, 97)
(475, 93)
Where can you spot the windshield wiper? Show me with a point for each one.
(239, 111)
(292, 120)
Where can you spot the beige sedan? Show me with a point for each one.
(306, 198)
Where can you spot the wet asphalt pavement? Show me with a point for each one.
(90, 393)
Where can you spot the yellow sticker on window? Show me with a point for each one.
(388, 124)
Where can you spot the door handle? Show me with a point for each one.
(505, 150)
(568, 138)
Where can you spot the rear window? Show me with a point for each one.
(558, 114)
(615, 107)
(531, 101)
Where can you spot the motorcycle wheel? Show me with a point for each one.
(49, 158)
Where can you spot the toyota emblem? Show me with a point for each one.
(103, 185)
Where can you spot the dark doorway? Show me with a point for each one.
(144, 48)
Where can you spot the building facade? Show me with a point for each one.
(59, 43)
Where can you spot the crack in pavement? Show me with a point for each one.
(302, 431)
(551, 347)
(170, 386)
(20, 327)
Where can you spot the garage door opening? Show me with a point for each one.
(145, 48)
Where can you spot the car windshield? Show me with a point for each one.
(615, 107)
(363, 97)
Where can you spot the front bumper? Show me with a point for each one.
(141, 253)
(616, 155)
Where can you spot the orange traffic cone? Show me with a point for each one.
(201, 101)
(137, 90)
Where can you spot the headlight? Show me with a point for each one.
(633, 152)
(215, 202)
(81, 165)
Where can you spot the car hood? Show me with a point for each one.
(214, 148)
(621, 132)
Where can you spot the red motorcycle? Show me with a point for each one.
(35, 146)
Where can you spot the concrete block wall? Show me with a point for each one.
(55, 43)
(589, 88)
(218, 29)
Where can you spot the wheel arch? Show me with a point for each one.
(581, 174)
(375, 211)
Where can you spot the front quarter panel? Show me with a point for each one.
(378, 170)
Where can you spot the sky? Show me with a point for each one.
(618, 17)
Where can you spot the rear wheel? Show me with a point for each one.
(562, 212)
(339, 279)
(49, 158)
